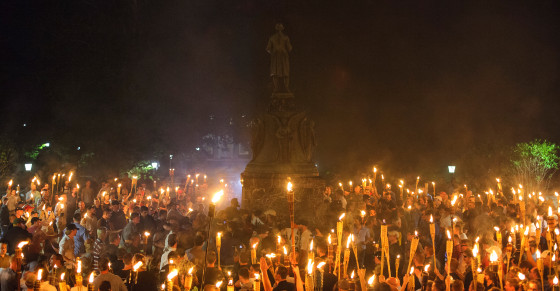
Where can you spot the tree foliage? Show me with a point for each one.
(534, 163)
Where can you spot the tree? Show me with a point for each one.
(534, 163)
(8, 157)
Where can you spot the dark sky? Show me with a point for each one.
(405, 84)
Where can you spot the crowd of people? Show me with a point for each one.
(145, 238)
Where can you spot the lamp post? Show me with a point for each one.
(28, 167)
(211, 212)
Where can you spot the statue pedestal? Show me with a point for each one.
(283, 141)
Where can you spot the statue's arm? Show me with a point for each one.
(288, 44)
(269, 46)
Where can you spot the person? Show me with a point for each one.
(144, 279)
(81, 236)
(212, 275)
(278, 47)
(115, 281)
(16, 234)
(67, 245)
(8, 280)
(4, 257)
(172, 240)
(130, 228)
(88, 195)
(99, 247)
(118, 218)
(280, 276)
(4, 215)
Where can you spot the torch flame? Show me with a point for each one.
(555, 280)
(311, 246)
(173, 274)
(371, 279)
(285, 250)
(191, 270)
(341, 216)
(219, 284)
(431, 218)
(538, 254)
(321, 265)
(497, 229)
(348, 241)
(426, 268)
(549, 210)
(411, 270)
(22, 244)
(329, 239)
(79, 268)
(289, 187)
(352, 275)
(217, 196)
(255, 245)
(280, 239)
(39, 274)
(137, 266)
(493, 256)
(91, 278)
(521, 276)
(448, 234)
(62, 276)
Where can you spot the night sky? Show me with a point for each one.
(407, 85)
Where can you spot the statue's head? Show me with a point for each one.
(279, 26)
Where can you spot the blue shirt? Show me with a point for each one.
(80, 240)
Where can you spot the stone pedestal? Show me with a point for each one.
(283, 141)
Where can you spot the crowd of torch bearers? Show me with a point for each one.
(340, 249)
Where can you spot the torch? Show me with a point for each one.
(433, 235)
(309, 283)
(339, 228)
(413, 247)
(170, 278)
(330, 252)
(218, 245)
(37, 284)
(90, 282)
(211, 211)
(540, 267)
(254, 253)
(291, 207)
(347, 255)
(257, 283)
(62, 283)
(188, 279)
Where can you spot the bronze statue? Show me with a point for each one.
(278, 47)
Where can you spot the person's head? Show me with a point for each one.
(19, 222)
(77, 217)
(3, 248)
(393, 237)
(114, 239)
(144, 211)
(172, 240)
(281, 273)
(71, 230)
(135, 218)
(512, 284)
(115, 206)
(533, 285)
(103, 264)
(244, 275)
(438, 285)
(56, 260)
(457, 285)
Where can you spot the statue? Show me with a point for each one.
(278, 47)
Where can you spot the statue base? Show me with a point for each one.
(283, 141)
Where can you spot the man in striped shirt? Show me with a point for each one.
(99, 247)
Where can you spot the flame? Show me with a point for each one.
(217, 196)
(329, 239)
(285, 250)
(477, 238)
(509, 239)
(255, 245)
(374, 169)
(497, 229)
(341, 216)
(91, 278)
(271, 255)
(475, 250)
(411, 270)
(416, 233)
(289, 187)
(230, 282)
(555, 280)
(146, 234)
(173, 274)
(371, 279)
(431, 218)
(448, 235)
(538, 254)
(493, 256)
(311, 246)
(191, 270)
(39, 274)
(22, 244)
(320, 265)
(340, 184)
(352, 275)
(348, 241)
(521, 276)
(137, 266)
(454, 200)
(362, 213)
(79, 268)
(219, 284)
(498, 180)
(549, 210)
(10, 183)
(62, 276)
(426, 268)
(280, 239)
(257, 276)
(526, 230)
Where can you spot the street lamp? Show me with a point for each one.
(451, 169)
(155, 165)
(28, 167)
